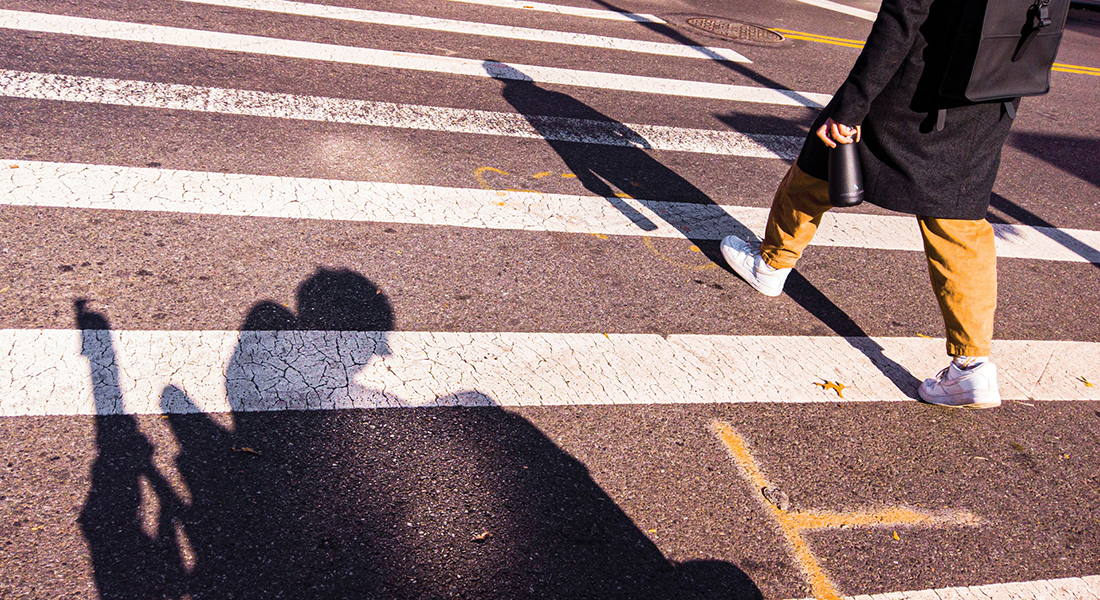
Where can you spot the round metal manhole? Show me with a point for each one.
(735, 30)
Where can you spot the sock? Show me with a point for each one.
(969, 362)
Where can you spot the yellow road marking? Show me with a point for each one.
(794, 524)
(479, 174)
(541, 175)
(1078, 71)
(1093, 70)
(848, 43)
(824, 39)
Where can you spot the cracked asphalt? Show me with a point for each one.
(255, 498)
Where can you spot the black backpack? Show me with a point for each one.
(1004, 49)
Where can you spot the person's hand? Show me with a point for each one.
(833, 133)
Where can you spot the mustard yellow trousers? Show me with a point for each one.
(962, 258)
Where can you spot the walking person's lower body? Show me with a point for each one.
(962, 264)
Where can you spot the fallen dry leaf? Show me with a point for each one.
(777, 497)
(248, 450)
(832, 385)
(1086, 382)
(896, 536)
(483, 536)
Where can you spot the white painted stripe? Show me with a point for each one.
(842, 8)
(44, 372)
(120, 92)
(592, 13)
(1069, 588)
(214, 40)
(484, 29)
(65, 185)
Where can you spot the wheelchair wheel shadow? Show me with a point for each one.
(378, 503)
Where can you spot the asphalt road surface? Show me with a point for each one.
(422, 299)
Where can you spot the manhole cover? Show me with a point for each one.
(734, 30)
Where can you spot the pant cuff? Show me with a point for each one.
(967, 350)
(776, 262)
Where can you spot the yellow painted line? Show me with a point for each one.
(794, 524)
(822, 587)
(1077, 67)
(824, 39)
(795, 37)
(1077, 71)
(883, 518)
(819, 37)
(479, 175)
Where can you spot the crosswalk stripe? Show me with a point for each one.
(65, 185)
(593, 13)
(843, 9)
(484, 29)
(46, 372)
(1067, 588)
(121, 92)
(214, 40)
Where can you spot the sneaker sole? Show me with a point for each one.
(947, 402)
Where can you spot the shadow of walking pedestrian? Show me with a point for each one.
(599, 166)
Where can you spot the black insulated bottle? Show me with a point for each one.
(845, 176)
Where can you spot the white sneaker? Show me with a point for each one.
(975, 387)
(745, 260)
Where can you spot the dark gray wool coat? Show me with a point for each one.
(893, 92)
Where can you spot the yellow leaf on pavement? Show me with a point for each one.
(832, 385)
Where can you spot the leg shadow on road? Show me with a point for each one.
(1073, 154)
(630, 168)
(1014, 211)
(381, 503)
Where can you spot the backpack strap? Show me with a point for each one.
(1038, 19)
(1009, 108)
(941, 119)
